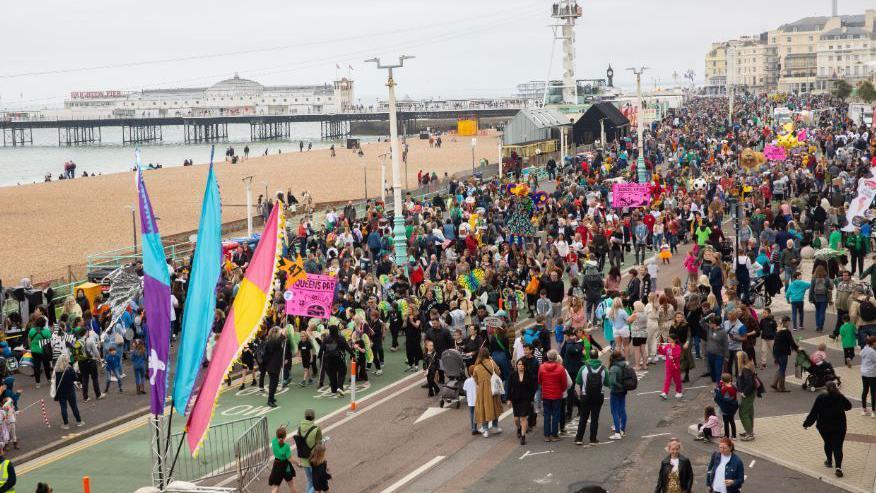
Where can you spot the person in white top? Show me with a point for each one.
(471, 396)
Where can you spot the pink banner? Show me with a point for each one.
(311, 297)
(630, 195)
(774, 152)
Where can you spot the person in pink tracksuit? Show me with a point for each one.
(672, 352)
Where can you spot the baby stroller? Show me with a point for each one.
(455, 373)
(817, 375)
(726, 250)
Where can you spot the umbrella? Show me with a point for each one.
(828, 253)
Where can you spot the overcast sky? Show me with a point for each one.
(463, 48)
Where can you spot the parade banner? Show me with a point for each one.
(311, 297)
(859, 207)
(156, 298)
(201, 295)
(630, 195)
(244, 318)
(774, 153)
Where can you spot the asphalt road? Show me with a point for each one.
(405, 443)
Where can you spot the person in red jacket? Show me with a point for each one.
(554, 381)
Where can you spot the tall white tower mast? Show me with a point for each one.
(567, 12)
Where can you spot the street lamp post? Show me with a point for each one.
(398, 232)
(247, 184)
(383, 177)
(641, 170)
(474, 142)
(365, 177)
(133, 226)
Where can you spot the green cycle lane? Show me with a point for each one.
(121, 462)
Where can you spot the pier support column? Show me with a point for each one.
(17, 136)
(76, 134)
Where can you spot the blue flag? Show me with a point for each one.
(200, 305)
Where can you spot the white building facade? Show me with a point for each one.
(806, 55)
(230, 97)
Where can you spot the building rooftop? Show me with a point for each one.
(545, 117)
(817, 23)
(843, 31)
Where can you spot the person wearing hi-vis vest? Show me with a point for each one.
(7, 475)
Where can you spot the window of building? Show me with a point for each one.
(789, 39)
(811, 38)
(810, 49)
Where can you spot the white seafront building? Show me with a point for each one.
(807, 55)
(230, 97)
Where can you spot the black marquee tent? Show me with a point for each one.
(587, 128)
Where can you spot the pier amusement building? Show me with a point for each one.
(230, 97)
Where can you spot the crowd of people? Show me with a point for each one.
(510, 275)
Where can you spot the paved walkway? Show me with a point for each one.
(783, 440)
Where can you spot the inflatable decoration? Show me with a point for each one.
(471, 281)
(520, 190)
(540, 198)
(750, 158)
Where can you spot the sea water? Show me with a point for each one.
(31, 163)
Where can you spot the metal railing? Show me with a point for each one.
(253, 453)
(218, 454)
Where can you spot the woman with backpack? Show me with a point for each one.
(332, 353)
(618, 396)
(821, 295)
(749, 387)
(39, 337)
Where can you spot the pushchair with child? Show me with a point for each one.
(817, 376)
(455, 373)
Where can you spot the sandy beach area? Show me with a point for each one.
(47, 227)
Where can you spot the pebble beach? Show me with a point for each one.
(48, 227)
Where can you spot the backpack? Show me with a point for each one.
(819, 287)
(532, 287)
(629, 380)
(302, 449)
(79, 353)
(593, 381)
(868, 310)
(331, 348)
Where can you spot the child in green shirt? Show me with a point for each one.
(849, 339)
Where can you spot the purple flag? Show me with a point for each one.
(156, 299)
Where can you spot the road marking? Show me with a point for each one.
(688, 388)
(431, 412)
(655, 435)
(506, 414)
(142, 421)
(544, 480)
(752, 463)
(413, 474)
(528, 453)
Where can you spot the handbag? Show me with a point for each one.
(497, 387)
(53, 387)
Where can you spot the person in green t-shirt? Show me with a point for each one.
(702, 232)
(849, 337)
(282, 469)
(39, 336)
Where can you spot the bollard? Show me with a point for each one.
(86, 484)
(353, 386)
(44, 413)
